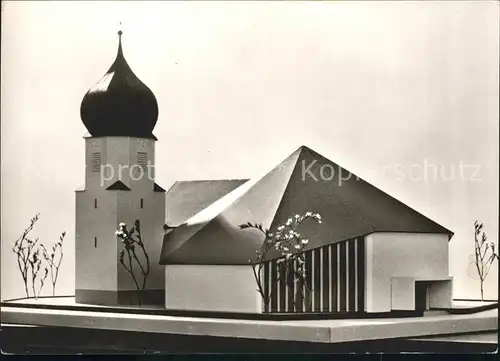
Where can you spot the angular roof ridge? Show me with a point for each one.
(200, 220)
(352, 209)
(346, 204)
(380, 190)
(210, 213)
(299, 150)
(252, 182)
(231, 196)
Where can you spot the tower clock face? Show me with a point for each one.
(144, 144)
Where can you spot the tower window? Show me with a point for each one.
(95, 202)
(142, 203)
(95, 242)
(142, 160)
(96, 162)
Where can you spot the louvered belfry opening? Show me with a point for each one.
(335, 277)
(95, 161)
(142, 160)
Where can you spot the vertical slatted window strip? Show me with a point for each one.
(312, 284)
(266, 286)
(282, 288)
(347, 276)
(342, 276)
(338, 276)
(291, 288)
(299, 293)
(277, 288)
(335, 276)
(325, 279)
(356, 274)
(274, 287)
(308, 293)
(95, 161)
(361, 273)
(142, 160)
(316, 255)
(332, 280)
(352, 275)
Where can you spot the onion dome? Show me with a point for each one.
(119, 104)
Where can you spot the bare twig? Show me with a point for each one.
(53, 261)
(35, 264)
(131, 239)
(30, 260)
(42, 281)
(23, 248)
(484, 253)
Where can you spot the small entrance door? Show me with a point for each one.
(420, 296)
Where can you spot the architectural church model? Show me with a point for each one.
(371, 253)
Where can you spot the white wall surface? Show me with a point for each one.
(406, 255)
(211, 288)
(441, 294)
(96, 267)
(119, 157)
(402, 293)
(152, 219)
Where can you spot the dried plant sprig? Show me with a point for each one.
(290, 243)
(32, 259)
(35, 263)
(42, 281)
(54, 259)
(24, 247)
(484, 254)
(494, 252)
(131, 240)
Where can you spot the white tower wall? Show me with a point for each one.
(100, 278)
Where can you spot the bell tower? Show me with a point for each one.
(120, 113)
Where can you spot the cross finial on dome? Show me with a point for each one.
(120, 32)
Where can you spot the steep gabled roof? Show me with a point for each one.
(304, 182)
(186, 198)
(118, 186)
